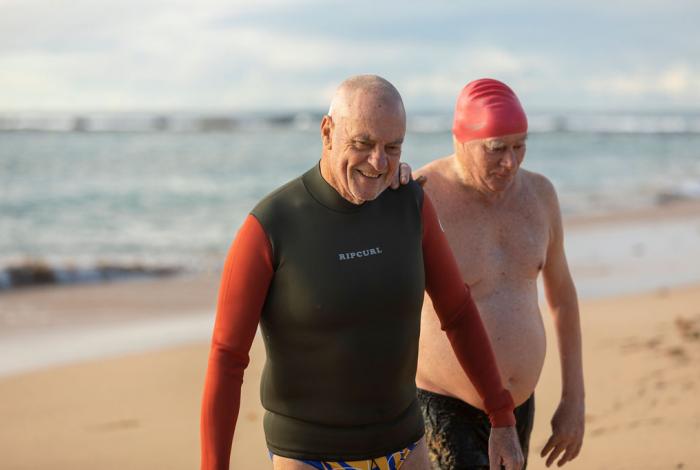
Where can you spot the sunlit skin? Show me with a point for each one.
(362, 139)
(504, 226)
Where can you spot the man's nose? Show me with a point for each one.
(378, 158)
(509, 160)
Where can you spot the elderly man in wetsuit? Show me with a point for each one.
(334, 268)
(504, 226)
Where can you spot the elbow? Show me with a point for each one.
(228, 360)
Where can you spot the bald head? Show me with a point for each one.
(365, 93)
(362, 136)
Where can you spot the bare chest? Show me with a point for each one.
(493, 245)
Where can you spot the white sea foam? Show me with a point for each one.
(419, 122)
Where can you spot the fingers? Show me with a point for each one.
(395, 179)
(404, 173)
(571, 453)
(556, 452)
(578, 450)
(548, 446)
(421, 180)
(566, 447)
(494, 458)
(514, 463)
(403, 176)
(510, 458)
(517, 462)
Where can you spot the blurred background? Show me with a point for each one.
(136, 135)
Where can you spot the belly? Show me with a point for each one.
(514, 324)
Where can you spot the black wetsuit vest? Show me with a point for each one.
(341, 321)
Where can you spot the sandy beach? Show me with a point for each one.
(137, 406)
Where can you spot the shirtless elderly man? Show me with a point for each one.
(504, 226)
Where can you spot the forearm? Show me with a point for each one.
(568, 330)
(220, 406)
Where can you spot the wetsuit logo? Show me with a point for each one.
(359, 254)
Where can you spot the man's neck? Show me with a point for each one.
(327, 175)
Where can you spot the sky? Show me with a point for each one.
(235, 55)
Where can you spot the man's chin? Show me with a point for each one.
(365, 192)
(501, 184)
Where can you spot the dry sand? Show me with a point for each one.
(141, 411)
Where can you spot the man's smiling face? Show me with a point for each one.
(363, 146)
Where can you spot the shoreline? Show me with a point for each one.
(33, 273)
(672, 210)
(45, 326)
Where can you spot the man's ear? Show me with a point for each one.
(327, 131)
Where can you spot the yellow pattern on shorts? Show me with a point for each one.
(392, 461)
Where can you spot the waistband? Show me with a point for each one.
(302, 440)
(463, 408)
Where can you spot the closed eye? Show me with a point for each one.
(393, 149)
(362, 145)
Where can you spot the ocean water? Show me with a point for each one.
(85, 194)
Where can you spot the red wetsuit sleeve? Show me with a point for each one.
(245, 279)
(461, 321)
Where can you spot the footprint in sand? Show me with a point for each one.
(633, 344)
(655, 421)
(117, 425)
(603, 430)
(679, 355)
(688, 328)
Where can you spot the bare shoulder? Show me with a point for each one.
(542, 188)
(436, 172)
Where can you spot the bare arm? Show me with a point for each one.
(560, 292)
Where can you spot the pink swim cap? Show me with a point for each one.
(487, 108)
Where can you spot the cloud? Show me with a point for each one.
(676, 81)
(236, 54)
